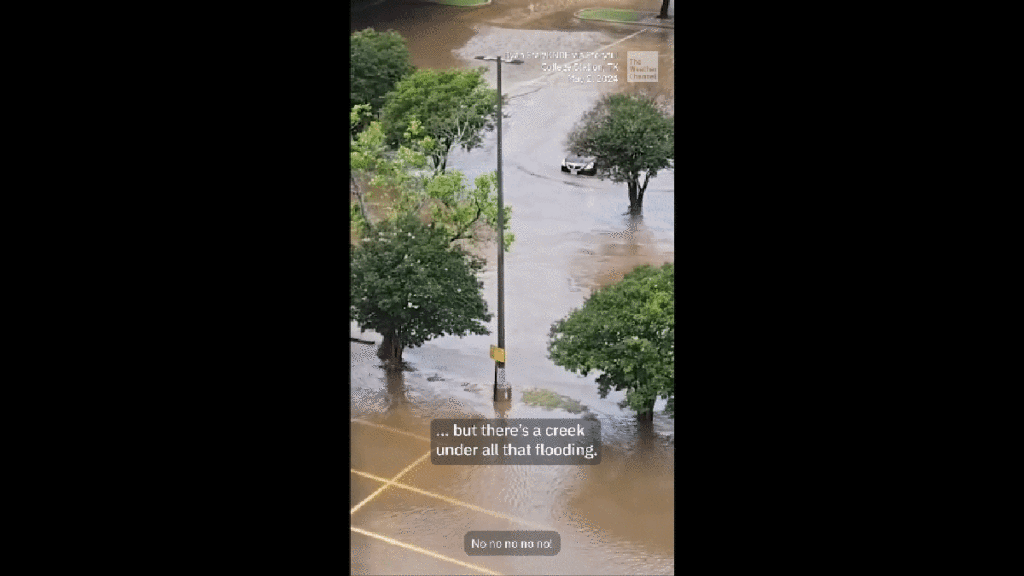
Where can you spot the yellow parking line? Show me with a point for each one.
(423, 551)
(382, 488)
(390, 429)
(451, 500)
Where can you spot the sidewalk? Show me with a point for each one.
(643, 19)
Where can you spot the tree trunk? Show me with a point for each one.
(664, 9)
(645, 428)
(391, 348)
(441, 157)
(643, 188)
(648, 414)
(358, 191)
(635, 200)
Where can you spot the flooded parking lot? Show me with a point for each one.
(571, 237)
(613, 518)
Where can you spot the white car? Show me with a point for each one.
(579, 165)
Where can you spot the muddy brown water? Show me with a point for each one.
(571, 238)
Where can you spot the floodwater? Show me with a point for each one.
(571, 237)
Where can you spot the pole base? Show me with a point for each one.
(502, 390)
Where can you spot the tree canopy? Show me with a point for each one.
(630, 138)
(454, 107)
(378, 60)
(627, 332)
(410, 285)
(444, 200)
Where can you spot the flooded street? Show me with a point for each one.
(571, 237)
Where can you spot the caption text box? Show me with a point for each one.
(513, 543)
(515, 441)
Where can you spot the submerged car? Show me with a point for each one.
(579, 165)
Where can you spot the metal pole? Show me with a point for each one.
(502, 390)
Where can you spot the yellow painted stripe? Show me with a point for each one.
(384, 487)
(452, 500)
(424, 551)
(390, 429)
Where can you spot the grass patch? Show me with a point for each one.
(461, 2)
(548, 399)
(609, 14)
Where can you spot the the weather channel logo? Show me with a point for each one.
(642, 66)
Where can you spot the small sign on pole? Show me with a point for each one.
(497, 354)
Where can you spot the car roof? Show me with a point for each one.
(575, 158)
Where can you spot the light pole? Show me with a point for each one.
(502, 390)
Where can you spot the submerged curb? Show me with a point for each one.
(645, 19)
(443, 3)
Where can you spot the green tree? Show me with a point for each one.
(630, 138)
(376, 167)
(627, 332)
(443, 199)
(454, 107)
(377, 61)
(410, 285)
(465, 213)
